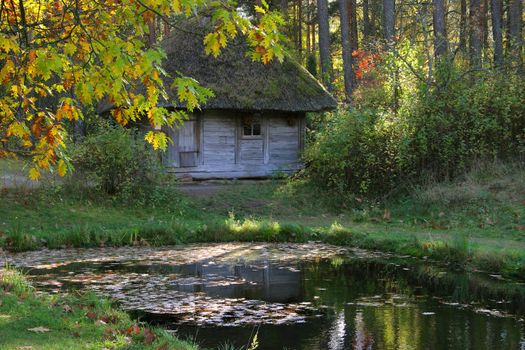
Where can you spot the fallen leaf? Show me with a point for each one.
(91, 315)
(162, 347)
(133, 330)
(75, 334)
(67, 308)
(149, 336)
(109, 334)
(39, 329)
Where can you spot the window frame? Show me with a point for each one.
(253, 120)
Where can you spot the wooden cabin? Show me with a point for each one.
(254, 126)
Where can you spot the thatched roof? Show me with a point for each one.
(241, 84)
(237, 82)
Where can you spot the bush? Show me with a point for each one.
(437, 133)
(120, 163)
(357, 152)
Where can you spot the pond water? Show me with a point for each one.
(293, 296)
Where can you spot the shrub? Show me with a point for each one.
(356, 151)
(120, 163)
(436, 133)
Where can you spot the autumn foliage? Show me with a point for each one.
(365, 61)
(59, 59)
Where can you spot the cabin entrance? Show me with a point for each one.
(188, 143)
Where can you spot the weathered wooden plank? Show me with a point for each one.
(252, 150)
(219, 139)
(188, 141)
(284, 140)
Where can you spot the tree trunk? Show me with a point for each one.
(314, 43)
(440, 29)
(515, 31)
(366, 21)
(484, 24)
(463, 27)
(389, 20)
(352, 17)
(152, 35)
(347, 48)
(324, 43)
(300, 27)
(476, 32)
(308, 31)
(497, 28)
(284, 8)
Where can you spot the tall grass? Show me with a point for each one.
(14, 281)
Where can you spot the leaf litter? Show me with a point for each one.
(200, 284)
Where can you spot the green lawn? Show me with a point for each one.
(31, 321)
(478, 222)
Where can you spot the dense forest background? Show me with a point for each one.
(429, 88)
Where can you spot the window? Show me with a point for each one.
(251, 127)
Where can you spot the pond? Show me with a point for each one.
(293, 296)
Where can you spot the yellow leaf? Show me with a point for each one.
(61, 168)
(34, 174)
(70, 49)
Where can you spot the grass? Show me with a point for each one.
(477, 222)
(83, 321)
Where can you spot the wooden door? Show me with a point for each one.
(188, 144)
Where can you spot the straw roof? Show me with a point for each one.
(237, 81)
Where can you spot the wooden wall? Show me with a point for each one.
(216, 140)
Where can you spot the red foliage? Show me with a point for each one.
(364, 62)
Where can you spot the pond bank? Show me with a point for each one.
(322, 294)
(32, 320)
(474, 225)
(458, 252)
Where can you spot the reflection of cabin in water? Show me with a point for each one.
(262, 281)
(254, 125)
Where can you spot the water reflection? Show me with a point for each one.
(297, 296)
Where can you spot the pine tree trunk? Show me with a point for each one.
(366, 21)
(497, 28)
(300, 27)
(440, 29)
(373, 16)
(463, 27)
(352, 13)
(389, 20)
(324, 43)
(476, 32)
(515, 32)
(347, 48)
